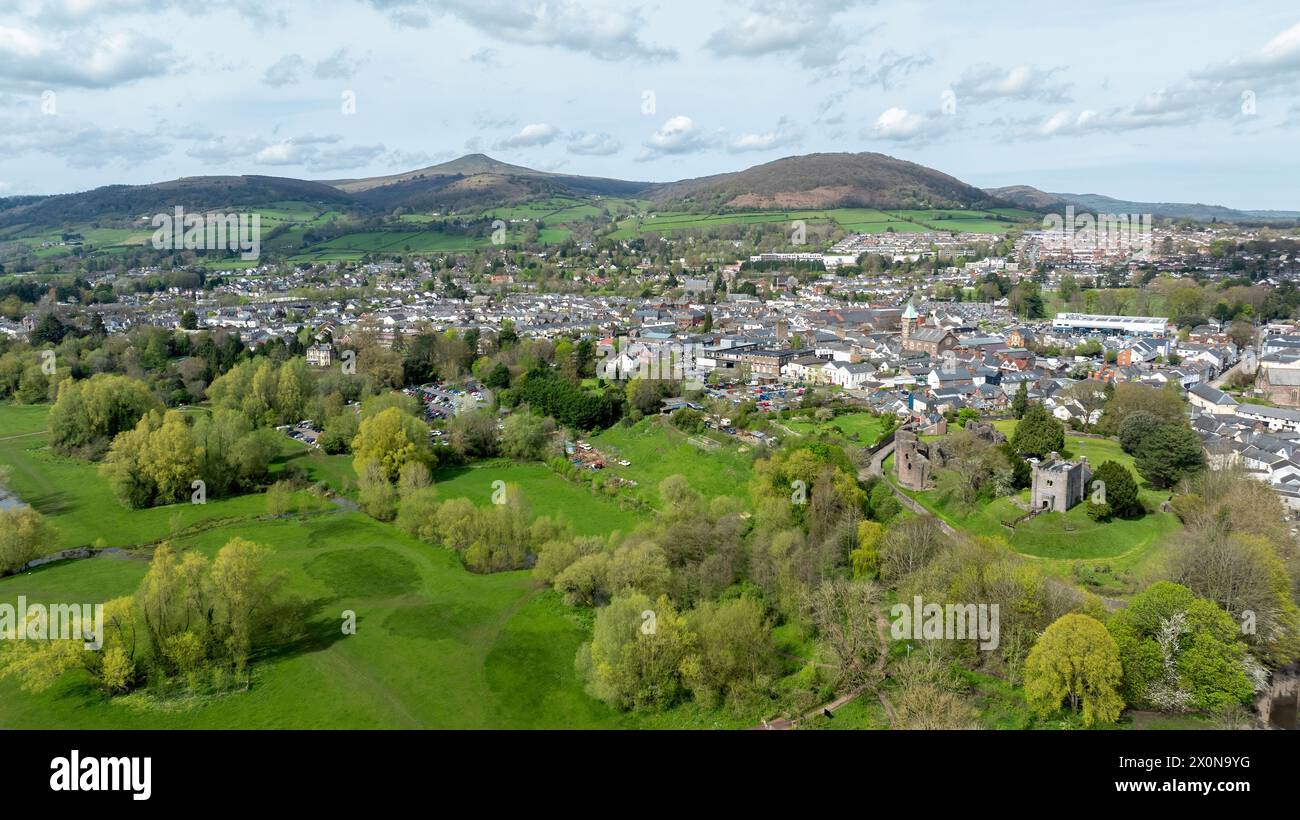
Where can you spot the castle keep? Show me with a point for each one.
(1059, 485)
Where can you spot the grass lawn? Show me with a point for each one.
(862, 429)
(657, 450)
(546, 493)
(436, 645)
(73, 496)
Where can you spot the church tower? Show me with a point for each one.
(910, 320)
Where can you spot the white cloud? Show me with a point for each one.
(79, 144)
(605, 30)
(531, 135)
(900, 125)
(985, 82)
(783, 136)
(1279, 58)
(799, 27)
(678, 135)
(284, 71)
(593, 145)
(81, 59)
(337, 66)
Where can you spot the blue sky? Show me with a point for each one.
(1169, 101)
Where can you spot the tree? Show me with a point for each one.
(474, 433)
(24, 535)
(844, 614)
(1121, 490)
(189, 320)
(1136, 427)
(525, 436)
(1128, 397)
(498, 378)
(48, 330)
(375, 492)
(636, 652)
(644, 395)
(735, 659)
(1179, 651)
(392, 438)
(170, 460)
(909, 545)
(1038, 433)
(507, 336)
(88, 414)
(1170, 454)
(866, 557)
(243, 596)
(1076, 661)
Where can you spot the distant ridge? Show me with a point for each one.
(827, 181)
(1028, 197)
(476, 182)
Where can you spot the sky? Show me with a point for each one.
(1183, 101)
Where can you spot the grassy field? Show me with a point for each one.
(657, 450)
(72, 495)
(1060, 540)
(854, 220)
(546, 492)
(862, 429)
(436, 645)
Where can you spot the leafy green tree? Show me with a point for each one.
(1179, 651)
(1075, 661)
(24, 536)
(524, 436)
(1136, 428)
(1120, 487)
(498, 378)
(88, 414)
(634, 659)
(1038, 433)
(392, 438)
(1170, 454)
(735, 660)
(474, 433)
(1129, 397)
(48, 330)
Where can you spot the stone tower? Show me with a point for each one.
(1059, 485)
(911, 460)
(911, 319)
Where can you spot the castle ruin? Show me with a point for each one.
(1059, 485)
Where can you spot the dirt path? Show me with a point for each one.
(22, 435)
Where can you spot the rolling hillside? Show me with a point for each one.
(826, 181)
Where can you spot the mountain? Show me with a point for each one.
(825, 181)
(1023, 196)
(1026, 197)
(476, 181)
(194, 193)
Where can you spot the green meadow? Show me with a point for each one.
(656, 450)
(435, 645)
(860, 429)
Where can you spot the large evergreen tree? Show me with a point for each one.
(1038, 433)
